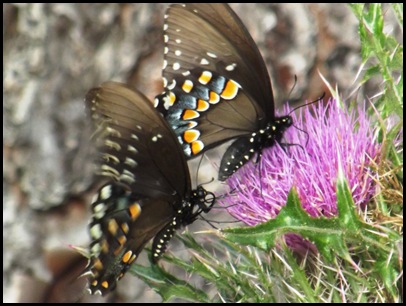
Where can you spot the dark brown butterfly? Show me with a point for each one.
(217, 87)
(148, 194)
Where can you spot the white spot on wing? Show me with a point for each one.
(95, 231)
(94, 198)
(111, 158)
(172, 85)
(105, 192)
(112, 144)
(127, 176)
(133, 136)
(204, 61)
(231, 67)
(165, 81)
(130, 162)
(95, 249)
(113, 132)
(99, 208)
(132, 149)
(109, 171)
(176, 66)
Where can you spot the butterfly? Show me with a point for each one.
(216, 85)
(148, 194)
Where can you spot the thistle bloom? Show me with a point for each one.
(310, 164)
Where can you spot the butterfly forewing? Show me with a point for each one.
(137, 148)
(212, 37)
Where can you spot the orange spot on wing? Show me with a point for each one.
(191, 135)
(172, 98)
(104, 246)
(105, 284)
(113, 227)
(125, 228)
(214, 98)
(205, 77)
(98, 265)
(187, 86)
(202, 105)
(230, 90)
(190, 114)
(196, 147)
(134, 210)
(122, 240)
(127, 256)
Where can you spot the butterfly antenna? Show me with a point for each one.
(293, 87)
(198, 169)
(307, 104)
(310, 103)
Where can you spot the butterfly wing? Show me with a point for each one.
(150, 180)
(217, 86)
(216, 83)
(210, 36)
(121, 225)
(136, 145)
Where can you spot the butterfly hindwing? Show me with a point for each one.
(120, 228)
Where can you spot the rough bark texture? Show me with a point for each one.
(54, 53)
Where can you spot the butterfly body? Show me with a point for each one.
(217, 87)
(148, 194)
(247, 147)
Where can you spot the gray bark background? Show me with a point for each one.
(54, 53)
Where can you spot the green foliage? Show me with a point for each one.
(382, 55)
(330, 235)
(167, 285)
(356, 258)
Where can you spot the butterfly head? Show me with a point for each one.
(200, 201)
(275, 129)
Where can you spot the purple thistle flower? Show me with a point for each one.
(334, 134)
